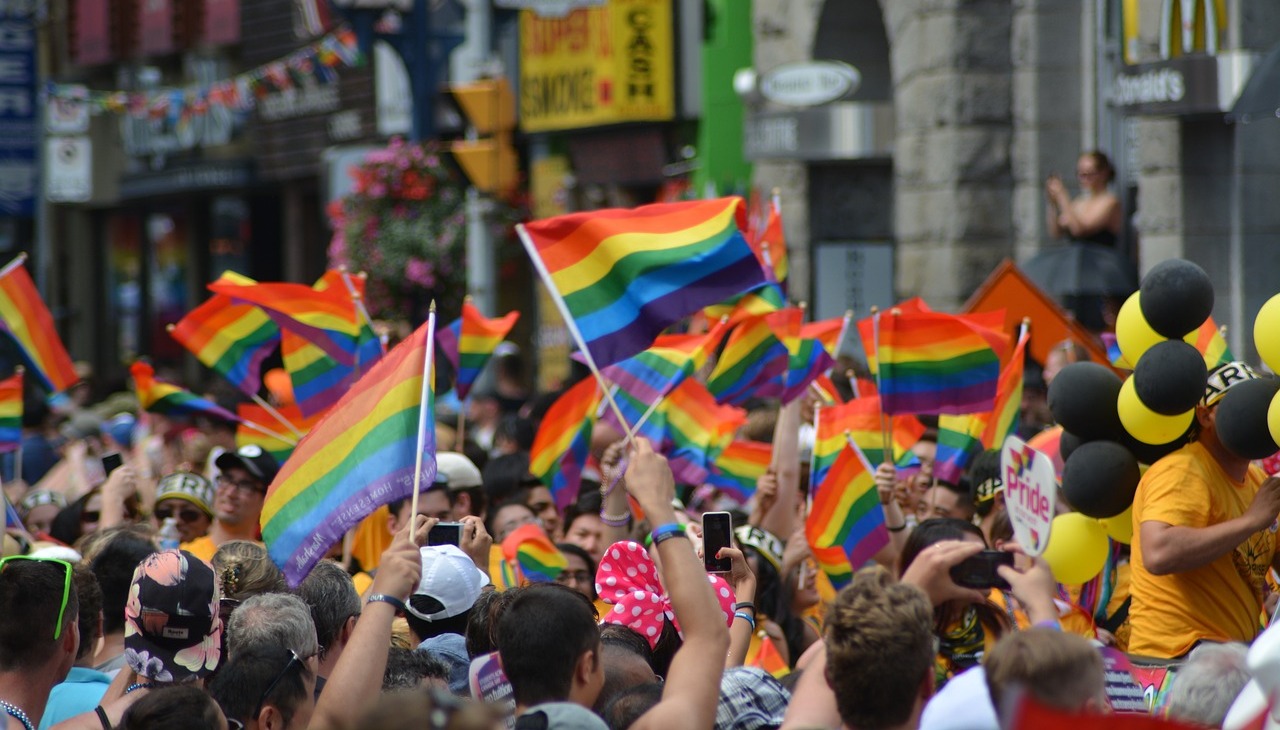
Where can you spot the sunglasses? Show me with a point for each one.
(294, 661)
(186, 515)
(66, 585)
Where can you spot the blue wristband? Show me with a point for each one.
(662, 533)
(390, 600)
(746, 618)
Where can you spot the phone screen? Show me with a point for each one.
(717, 532)
(445, 533)
(979, 571)
(111, 462)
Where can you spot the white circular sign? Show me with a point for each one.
(811, 83)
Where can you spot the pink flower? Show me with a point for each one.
(420, 272)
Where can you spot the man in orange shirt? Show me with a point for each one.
(1204, 536)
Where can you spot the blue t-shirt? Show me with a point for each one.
(79, 693)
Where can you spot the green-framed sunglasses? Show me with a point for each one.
(66, 585)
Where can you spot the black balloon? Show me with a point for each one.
(1151, 453)
(1242, 418)
(1082, 398)
(1068, 443)
(1169, 378)
(1100, 478)
(1177, 297)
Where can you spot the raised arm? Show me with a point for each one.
(781, 519)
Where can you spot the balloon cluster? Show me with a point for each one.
(1112, 426)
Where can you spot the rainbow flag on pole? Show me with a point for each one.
(1209, 341)
(623, 276)
(1006, 415)
(859, 419)
(738, 467)
(360, 456)
(256, 414)
(327, 318)
(25, 318)
(561, 445)
(696, 430)
(959, 440)
(535, 557)
(755, 360)
(935, 363)
(170, 400)
(770, 245)
(469, 341)
(846, 513)
(11, 412)
(231, 339)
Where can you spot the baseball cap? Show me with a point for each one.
(250, 457)
(1225, 377)
(186, 486)
(765, 543)
(450, 579)
(172, 630)
(457, 470)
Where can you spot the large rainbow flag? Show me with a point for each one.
(756, 359)
(561, 445)
(737, 468)
(11, 412)
(624, 276)
(325, 317)
(231, 339)
(170, 400)
(469, 341)
(360, 456)
(25, 318)
(846, 513)
(931, 362)
(860, 420)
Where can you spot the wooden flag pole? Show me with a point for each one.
(853, 382)
(460, 437)
(15, 263)
(424, 400)
(886, 430)
(273, 434)
(276, 415)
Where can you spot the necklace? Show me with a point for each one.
(139, 685)
(15, 711)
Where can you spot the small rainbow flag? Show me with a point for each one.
(533, 554)
(846, 513)
(1209, 341)
(626, 275)
(561, 445)
(11, 412)
(738, 467)
(696, 430)
(327, 318)
(867, 330)
(25, 318)
(469, 342)
(231, 339)
(755, 303)
(360, 456)
(170, 400)
(935, 363)
(253, 413)
(959, 440)
(770, 245)
(1114, 355)
(834, 563)
(755, 360)
(1006, 415)
(369, 347)
(860, 420)
(810, 362)
(769, 659)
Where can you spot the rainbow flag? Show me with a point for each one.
(770, 659)
(369, 346)
(11, 412)
(626, 275)
(325, 317)
(696, 430)
(846, 513)
(868, 326)
(1006, 415)
(810, 362)
(561, 445)
(231, 339)
(827, 390)
(755, 303)
(469, 342)
(253, 413)
(360, 456)
(737, 468)
(1209, 341)
(533, 554)
(170, 400)
(859, 419)
(754, 361)
(959, 440)
(770, 245)
(25, 318)
(935, 363)
(834, 563)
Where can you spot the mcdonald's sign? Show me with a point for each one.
(1185, 27)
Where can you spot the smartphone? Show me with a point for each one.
(111, 462)
(717, 532)
(979, 571)
(445, 533)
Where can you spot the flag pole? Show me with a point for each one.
(424, 402)
(844, 331)
(15, 263)
(276, 415)
(273, 434)
(364, 312)
(885, 427)
(460, 436)
(573, 327)
(853, 382)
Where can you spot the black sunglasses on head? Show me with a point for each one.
(294, 661)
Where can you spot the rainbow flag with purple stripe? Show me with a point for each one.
(846, 514)
(959, 440)
(624, 276)
(325, 317)
(230, 339)
(11, 412)
(756, 359)
(737, 468)
(469, 341)
(931, 362)
(810, 362)
(170, 400)
(1007, 414)
(536, 558)
(25, 318)
(560, 448)
(360, 456)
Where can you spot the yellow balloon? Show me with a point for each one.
(1145, 424)
(1120, 527)
(1077, 548)
(1133, 334)
(1273, 417)
(1266, 332)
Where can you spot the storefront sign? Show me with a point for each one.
(809, 84)
(203, 176)
(143, 136)
(1187, 85)
(595, 66)
(840, 131)
(68, 169)
(17, 116)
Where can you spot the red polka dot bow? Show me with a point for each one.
(628, 579)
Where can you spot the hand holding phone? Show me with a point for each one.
(979, 571)
(111, 462)
(717, 532)
(445, 533)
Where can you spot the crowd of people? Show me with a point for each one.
(141, 596)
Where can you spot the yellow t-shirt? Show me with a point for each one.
(1219, 601)
(201, 547)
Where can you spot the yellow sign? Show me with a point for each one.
(551, 338)
(1182, 27)
(600, 65)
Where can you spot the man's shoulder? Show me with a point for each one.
(559, 716)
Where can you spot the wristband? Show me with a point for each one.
(899, 528)
(390, 600)
(615, 520)
(748, 619)
(744, 606)
(662, 533)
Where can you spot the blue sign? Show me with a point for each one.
(19, 133)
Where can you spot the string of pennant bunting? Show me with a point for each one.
(317, 62)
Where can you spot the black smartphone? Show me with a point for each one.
(111, 462)
(445, 533)
(717, 532)
(979, 571)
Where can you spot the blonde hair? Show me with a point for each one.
(1062, 671)
(244, 569)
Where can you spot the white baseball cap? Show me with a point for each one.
(457, 471)
(450, 578)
